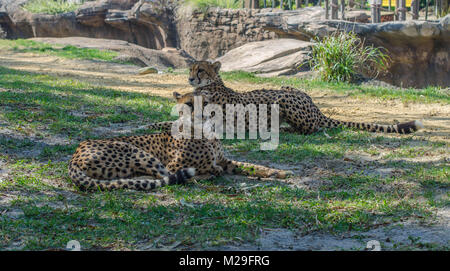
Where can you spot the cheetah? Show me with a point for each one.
(229, 166)
(149, 161)
(295, 107)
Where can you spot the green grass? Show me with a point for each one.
(425, 95)
(344, 193)
(51, 6)
(47, 105)
(68, 51)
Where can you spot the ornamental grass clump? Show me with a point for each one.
(343, 57)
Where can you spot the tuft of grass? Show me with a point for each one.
(342, 56)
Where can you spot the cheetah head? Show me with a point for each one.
(207, 122)
(188, 99)
(203, 73)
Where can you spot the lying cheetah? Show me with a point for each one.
(149, 161)
(295, 106)
(228, 166)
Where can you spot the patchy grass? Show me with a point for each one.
(66, 51)
(426, 95)
(42, 210)
(51, 6)
(44, 105)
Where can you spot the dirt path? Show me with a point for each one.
(436, 117)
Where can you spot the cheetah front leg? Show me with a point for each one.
(250, 169)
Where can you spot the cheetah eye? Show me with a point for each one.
(189, 104)
(200, 70)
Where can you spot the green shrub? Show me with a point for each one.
(343, 56)
(50, 6)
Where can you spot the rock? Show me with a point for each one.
(211, 34)
(275, 57)
(357, 16)
(160, 59)
(147, 70)
(130, 59)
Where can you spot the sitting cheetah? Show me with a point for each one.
(295, 106)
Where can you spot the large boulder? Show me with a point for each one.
(160, 59)
(274, 57)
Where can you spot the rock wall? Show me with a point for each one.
(146, 23)
(210, 34)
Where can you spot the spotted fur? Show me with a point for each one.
(134, 162)
(295, 106)
(220, 163)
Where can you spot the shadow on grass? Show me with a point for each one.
(71, 108)
(206, 213)
(114, 218)
(336, 143)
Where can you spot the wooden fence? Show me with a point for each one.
(335, 9)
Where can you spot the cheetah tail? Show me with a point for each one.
(250, 169)
(401, 128)
(144, 183)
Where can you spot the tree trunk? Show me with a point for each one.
(334, 9)
(415, 9)
(402, 10)
(251, 4)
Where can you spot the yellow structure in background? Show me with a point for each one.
(386, 3)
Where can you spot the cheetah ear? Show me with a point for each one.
(176, 95)
(216, 65)
(191, 64)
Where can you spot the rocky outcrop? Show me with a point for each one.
(210, 34)
(270, 57)
(419, 50)
(146, 23)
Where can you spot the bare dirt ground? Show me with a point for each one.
(436, 118)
